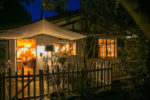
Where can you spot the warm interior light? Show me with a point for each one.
(26, 54)
(65, 48)
(28, 46)
(107, 48)
(41, 51)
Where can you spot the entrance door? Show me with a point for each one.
(26, 55)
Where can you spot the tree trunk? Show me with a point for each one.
(148, 59)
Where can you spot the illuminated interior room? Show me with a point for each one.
(31, 54)
(107, 48)
(65, 48)
(27, 44)
(43, 57)
(26, 54)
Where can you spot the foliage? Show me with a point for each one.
(87, 55)
(138, 9)
(105, 16)
(133, 56)
(1, 85)
(84, 86)
(57, 5)
(27, 1)
(133, 49)
(13, 12)
(61, 60)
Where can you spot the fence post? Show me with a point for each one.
(9, 83)
(16, 86)
(22, 83)
(90, 74)
(111, 76)
(94, 72)
(68, 80)
(34, 84)
(63, 79)
(104, 66)
(108, 68)
(3, 76)
(40, 85)
(1, 85)
(81, 81)
(77, 76)
(97, 75)
(72, 79)
(86, 76)
(53, 78)
(58, 78)
(1, 89)
(101, 79)
(42, 75)
(28, 85)
(48, 81)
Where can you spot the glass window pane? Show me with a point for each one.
(109, 45)
(65, 48)
(112, 41)
(104, 48)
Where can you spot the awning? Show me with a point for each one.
(40, 27)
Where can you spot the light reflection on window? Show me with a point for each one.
(26, 54)
(65, 48)
(107, 48)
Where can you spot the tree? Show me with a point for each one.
(105, 17)
(56, 5)
(139, 10)
(109, 16)
(12, 12)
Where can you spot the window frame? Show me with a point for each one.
(106, 51)
(65, 48)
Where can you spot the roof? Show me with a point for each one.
(40, 27)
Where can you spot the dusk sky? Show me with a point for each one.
(35, 9)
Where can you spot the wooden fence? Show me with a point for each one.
(72, 80)
(127, 70)
(42, 84)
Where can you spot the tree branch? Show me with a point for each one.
(141, 18)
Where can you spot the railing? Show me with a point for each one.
(45, 83)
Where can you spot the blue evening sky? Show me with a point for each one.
(35, 9)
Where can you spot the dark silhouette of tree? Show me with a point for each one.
(11, 11)
(103, 16)
(139, 10)
(56, 5)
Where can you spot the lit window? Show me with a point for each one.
(107, 48)
(65, 48)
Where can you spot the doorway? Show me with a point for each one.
(26, 55)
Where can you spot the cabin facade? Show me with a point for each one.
(37, 45)
(40, 50)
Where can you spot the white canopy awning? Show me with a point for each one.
(40, 27)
